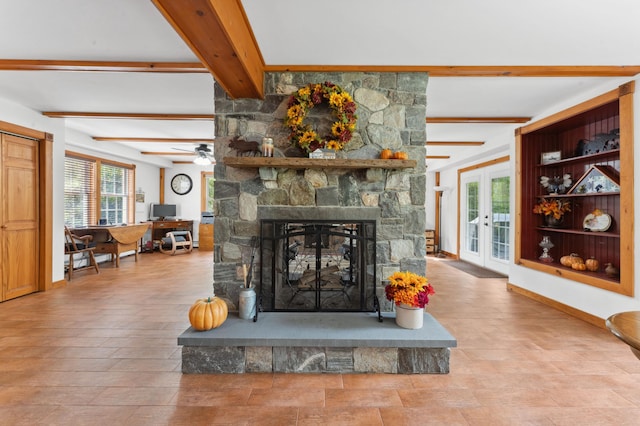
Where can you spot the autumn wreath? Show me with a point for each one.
(343, 108)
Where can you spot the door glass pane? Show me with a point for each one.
(473, 218)
(501, 218)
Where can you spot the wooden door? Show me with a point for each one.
(19, 221)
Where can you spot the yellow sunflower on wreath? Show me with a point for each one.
(342, 106)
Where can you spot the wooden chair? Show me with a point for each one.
(79, 245)
(176, 242)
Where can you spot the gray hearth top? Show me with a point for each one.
(340, 329)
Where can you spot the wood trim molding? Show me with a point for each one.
(127, 115)
(185, 154)
(155, 140)
(437, 157)
(605, 98)
(591, 319)
(477, 120)
(234, 58)
(101, 66)
(454, 143)
(476, 71)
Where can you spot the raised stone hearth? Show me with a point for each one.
(317, 343)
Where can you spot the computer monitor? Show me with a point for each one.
(163, 211)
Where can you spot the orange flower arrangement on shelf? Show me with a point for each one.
(552, 207)
(409, 289)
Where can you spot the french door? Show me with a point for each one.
(485, 223)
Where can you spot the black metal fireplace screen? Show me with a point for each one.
(317, 265)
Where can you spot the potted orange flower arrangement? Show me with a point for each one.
(552, 210)
(409, 289)
(410, 292)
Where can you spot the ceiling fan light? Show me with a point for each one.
(202, 160)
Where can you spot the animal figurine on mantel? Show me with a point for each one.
(245, 148)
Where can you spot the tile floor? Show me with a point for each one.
(102, 351)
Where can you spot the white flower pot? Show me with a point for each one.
(409, 317)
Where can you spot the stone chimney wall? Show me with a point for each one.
(391, 110)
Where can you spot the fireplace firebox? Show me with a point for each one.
(317, 266)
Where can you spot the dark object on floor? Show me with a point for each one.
(474, 270)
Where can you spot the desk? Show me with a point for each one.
(159, 228)
(114, 240)
(626, 327)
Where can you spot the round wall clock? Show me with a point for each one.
(181, 184)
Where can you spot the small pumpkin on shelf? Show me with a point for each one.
(579, 266)
(592, 264)
(208, 313)
(570, 259)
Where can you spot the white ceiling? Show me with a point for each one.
(327, 32)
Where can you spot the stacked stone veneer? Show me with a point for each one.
(391, 109)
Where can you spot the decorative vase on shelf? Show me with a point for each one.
(409, 317)
(546, 245)
(551, 222)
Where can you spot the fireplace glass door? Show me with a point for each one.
(317, 266)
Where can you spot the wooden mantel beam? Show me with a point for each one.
(219, 34)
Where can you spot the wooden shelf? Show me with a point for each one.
(590, 194)
(556, 268)
(584, 158)
(578, 232)
(315, 163)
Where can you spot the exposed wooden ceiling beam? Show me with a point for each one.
(455, 143)
(437, 157)
(168, 153)
(433, 70)
(101, 66)
(476, 71)
(189, 162)
(476, 120)
(219, 34)
(159, 140)
(127, 115)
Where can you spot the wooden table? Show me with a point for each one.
(626, 327)
(114, 240)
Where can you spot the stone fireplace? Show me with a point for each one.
(391, 109)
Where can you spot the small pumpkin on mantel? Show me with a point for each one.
(386, 154)
(400, 155)
(208, 313)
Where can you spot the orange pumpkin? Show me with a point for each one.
(400, 155)
(579, 266)
(208, 313)
(385, 154)
(570, 259)
(592, 264)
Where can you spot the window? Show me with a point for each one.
(207, 191)
(97, 189)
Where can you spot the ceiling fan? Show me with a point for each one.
(204, 154)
